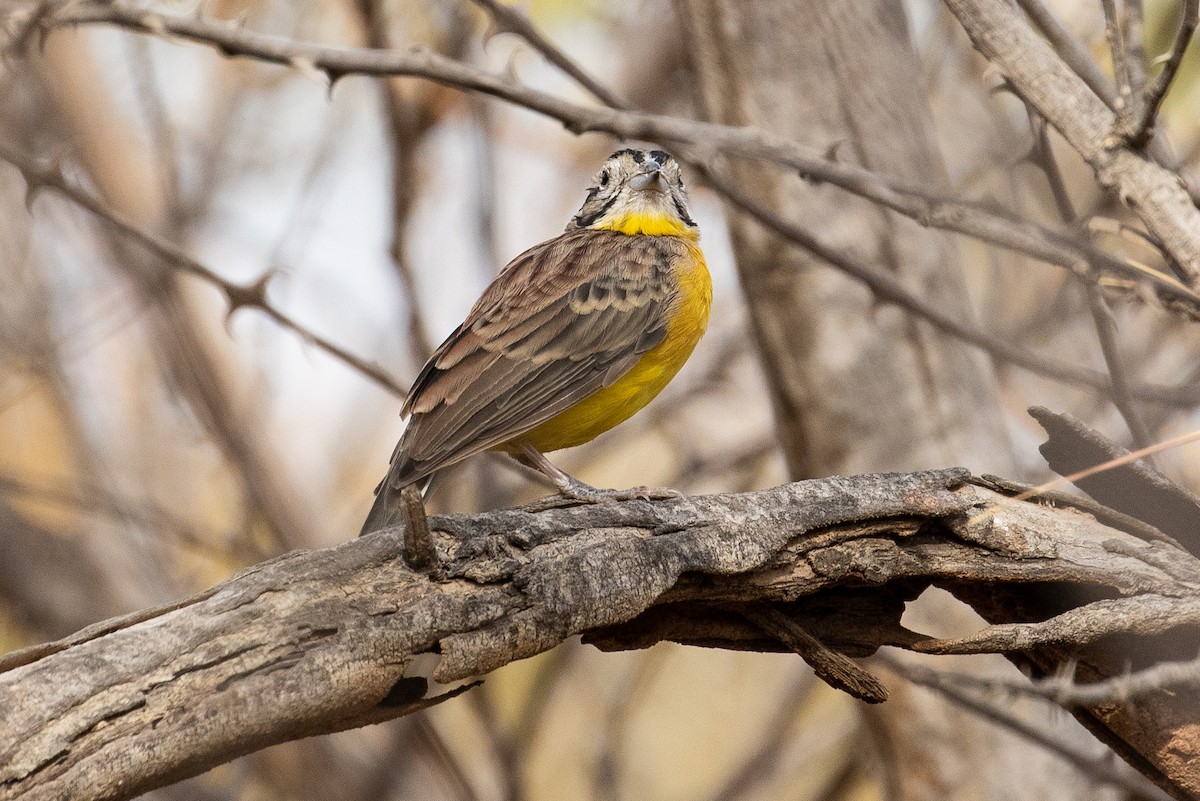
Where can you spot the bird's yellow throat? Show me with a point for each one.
(648, 223)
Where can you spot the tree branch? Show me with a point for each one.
(1142, 126)
(1062, 248)
(320, 641)
(1043, 80)
(39, 177)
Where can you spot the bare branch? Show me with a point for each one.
(1118, 49)
(1065, 249)
(1065, 691)
(1102, 318)
(1142, 126)
(319, 641)
(888, 289)
(254, 295)
(1100, 768)
(1043, 80)
(510, 20)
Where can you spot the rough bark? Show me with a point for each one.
(319, 641)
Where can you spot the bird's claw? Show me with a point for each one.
(588, 494)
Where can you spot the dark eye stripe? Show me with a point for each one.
(583, 221)
(683, 215)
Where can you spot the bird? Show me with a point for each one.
(570, 339)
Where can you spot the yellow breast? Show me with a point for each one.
(616, 403)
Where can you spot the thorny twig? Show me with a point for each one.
(1064, 691)
(1100, 768)
(907, 198)
(238, 296)
(888, 288)
(1141, 127)
(1118, 48)
(1102, 317)
(885, 287)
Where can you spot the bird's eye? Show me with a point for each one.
(604, 178)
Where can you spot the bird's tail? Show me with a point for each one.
(388, 509)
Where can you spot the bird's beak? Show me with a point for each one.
(649, 177)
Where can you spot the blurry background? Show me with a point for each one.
(152, 445)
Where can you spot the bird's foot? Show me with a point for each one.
(576, 492)
(590, 494)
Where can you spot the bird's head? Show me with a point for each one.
(637, 192)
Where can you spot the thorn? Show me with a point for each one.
(333, 76)
(238, 22)
(509, 73)
(491, 32)
(32, 187)
(252, 295)
(38, 178)
(832, 153)
(1004, 87)
(309, 69)
(575, 126)
(1102, 225)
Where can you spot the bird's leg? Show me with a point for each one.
(571, 487)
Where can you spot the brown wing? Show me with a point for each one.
(563, 320)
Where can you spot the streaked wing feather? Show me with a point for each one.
(562, 321)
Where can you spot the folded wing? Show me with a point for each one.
(562, 321)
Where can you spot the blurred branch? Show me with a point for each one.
(1102, 316)
(320, 641)
(1141, 127)
(1122, 394)
(1044, 81)
(1128, 99)
(1070, 49)
(410, 117)
(609, 772)
(238, 296)
(1098, 767)
(762, 763)
(509, 20)
(887, 288)
(502, 746)
(1065, 249)
(1065, 691)
(95, 499)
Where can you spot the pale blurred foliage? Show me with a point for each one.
(124, 497)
